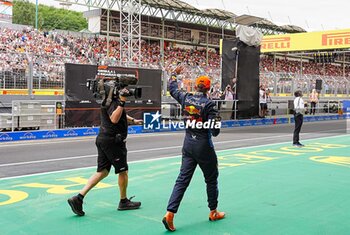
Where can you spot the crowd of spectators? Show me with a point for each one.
(306, 67)
(292, 73)
(50, 50)
(47, 53)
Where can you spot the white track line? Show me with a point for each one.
(133, 151)
(158, 159)
(73, 139)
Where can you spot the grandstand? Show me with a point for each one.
(165, 41)
(50, 50)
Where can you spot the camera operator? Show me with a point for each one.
(111, 148)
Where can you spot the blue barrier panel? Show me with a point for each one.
(309, 119)
(335, 117)
(281, 120)
(260, 122)
(225, 124)
(93, 131)
(320, 118)
(47, 134)
(5, 137)
(346, 106)
(268, 121)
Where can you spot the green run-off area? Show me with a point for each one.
(273, 189)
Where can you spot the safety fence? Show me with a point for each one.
(286, 83)
(23, 71)
(20, 70)
(228, 108)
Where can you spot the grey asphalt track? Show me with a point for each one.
(30, 157)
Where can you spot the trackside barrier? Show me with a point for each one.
(93, 131)
(346, 106)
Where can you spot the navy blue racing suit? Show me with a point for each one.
(198, 147)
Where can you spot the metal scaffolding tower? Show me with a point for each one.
(130, 32)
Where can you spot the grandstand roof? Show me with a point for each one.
(293, 28)
(183, 6)
(247, 20)
(170, 4)
(181, 11)
(267, 23)
(218, 13)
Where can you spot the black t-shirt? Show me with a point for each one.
(109, 129)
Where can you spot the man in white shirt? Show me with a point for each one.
(299, 110)
(262, 101)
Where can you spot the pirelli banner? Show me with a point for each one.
(334, 39)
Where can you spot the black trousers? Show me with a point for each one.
(196, 152)
(313, 108)
(298, 123)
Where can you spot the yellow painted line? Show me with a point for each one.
(47, 92)
(13, 92)
(35, 92)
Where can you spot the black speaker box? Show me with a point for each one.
(318, 84)
(247, 86)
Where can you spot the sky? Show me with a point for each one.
(311, 15)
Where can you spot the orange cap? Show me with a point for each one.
(205, 80)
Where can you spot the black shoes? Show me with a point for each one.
(299, 145)
(77, 205)
(129, 205)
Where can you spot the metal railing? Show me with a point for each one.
(21, 70)
(286, 83)
(32, 115)
(43, 115)
(285, 107)
(228, 109)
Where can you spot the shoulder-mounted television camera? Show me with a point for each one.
(109, 88)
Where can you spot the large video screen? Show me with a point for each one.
(82, 108)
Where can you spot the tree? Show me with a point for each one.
(48, 17)
(23, 12)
